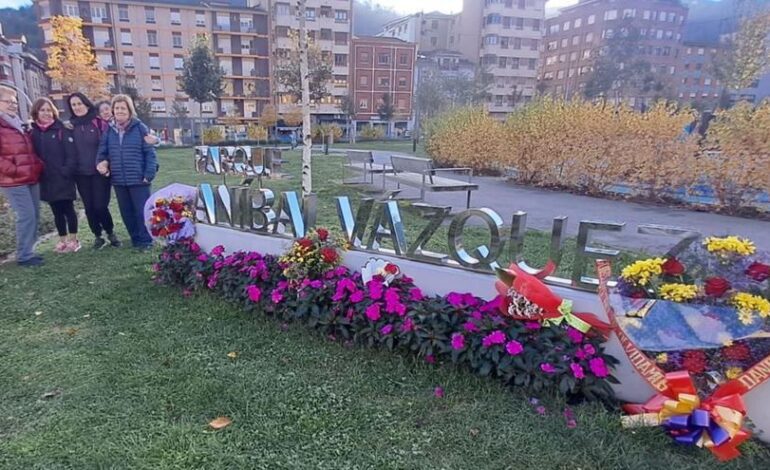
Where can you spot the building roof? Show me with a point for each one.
(382, 39)
(259, 5)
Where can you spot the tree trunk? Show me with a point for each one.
(200, 123)
(307, 138)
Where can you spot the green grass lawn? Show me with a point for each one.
(101, 368)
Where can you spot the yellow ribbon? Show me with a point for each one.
(566, 316)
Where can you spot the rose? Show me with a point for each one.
(758, 271)
(176, 206)
(391, 268)
(305, 243)
(329, 255)
(717, 286)
(673, 267)
(323, 234)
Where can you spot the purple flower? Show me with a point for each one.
(438, 392)
(254, 293)
(532, 325)
(470, 300)
(455, 299)
(375, 290)
(577, 370)
(407, 326)
(155, 267)
(547, 368)
(458, 341)
(540, 410)
(476, 315)
(316, 284)
(430, 359)
(276, 296)
(357, 296)
(514, 348)
(218, 250)
(598, 367)
(589, 350)
(194, 247)
(386, 330)
(212, 281)
(203, 257)
(186, 293)
(491, 306)
(470, 327)
(373, 312)
(574, 335)
(496, 337)
(415, 294)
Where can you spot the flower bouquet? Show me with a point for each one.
(697, 327)
(172, 219)
(312, 256)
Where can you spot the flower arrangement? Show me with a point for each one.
(386, 309)
(172, 219)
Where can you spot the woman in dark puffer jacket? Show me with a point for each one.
(125, 155)
(94, 189)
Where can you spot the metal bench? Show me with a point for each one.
(360, 161)
(420, 173)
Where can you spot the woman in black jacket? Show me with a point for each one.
(55, 146)
(88, 128)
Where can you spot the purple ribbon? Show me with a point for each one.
(688, 429)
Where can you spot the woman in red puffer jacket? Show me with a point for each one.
(20, 170)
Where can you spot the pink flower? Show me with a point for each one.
(589, 350)
(577, 370)
(455, 299)
(470, 327)
(155, 267)
(407, 326)
(470, 300)
(276, 296)
(357, 296)
(254, 293)
(547, 368)
(532, 325)
(574, 335)
(514, 348)
(316, 284)
(415, 294)
(438, 392)
(375, 289)
(430, 359)
(373, 312)
(598, 367)
(496, 337)
(476, 315)
(458, 341)
(203, 257)
(386, 330)
(194, 247)
(218, 250)
(186, 293)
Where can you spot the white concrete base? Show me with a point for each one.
(432, 279)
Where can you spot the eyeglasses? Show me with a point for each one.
(10, 102)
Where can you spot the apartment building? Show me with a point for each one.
(575, 38)
(21, 70)
(383, 66)
(330, 26)
(144, 42)
(503, 37)
(430, 31)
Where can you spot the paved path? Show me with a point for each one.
(543, 205)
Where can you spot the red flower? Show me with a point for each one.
(305, 243)
(329, 255)
(758, 271)
(159, 203)
(176, 206)
(323, 234)
(391, 268)
(717, 286)
(160, 213)
(673, 267)
(695, 361)
(737, 352)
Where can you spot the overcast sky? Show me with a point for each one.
(402, 6)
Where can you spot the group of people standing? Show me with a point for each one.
(102, 146)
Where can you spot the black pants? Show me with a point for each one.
(95, 192)
(131, 200)
(64, 217)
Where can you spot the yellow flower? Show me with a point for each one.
(748, 305)
(733, 373)
(729, 245)
(678, 292)
(641, 272)
(661, 358)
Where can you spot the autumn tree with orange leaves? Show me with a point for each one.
(71, 60)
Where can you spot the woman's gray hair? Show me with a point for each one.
(8, 91)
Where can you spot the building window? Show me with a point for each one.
(433, 41)
(364, 57)
(128, 60)
(402, 82)
(629, 13)
(519, 23)
(363, 104)
(154, 62)
(71, 10)
(341, 15)
(591, 19)
(565, 26)
(178, 62)
(149, 14)
(340, 39)
(553, 45)
(326, 34)
(363, 80)
(310, 14)
(159, 106)
(156, 83)
(587, 54)
(97, 13)
(610, 15)
(383, 82)
(383, 59)
(532, 64)
(341, 60)
(517, 43)
(176, 39)
(403, 59)
(578, 23)
(125, 37)
(200, 18)
(176, 16)
(590, 37)
(575, 40)
(490, 39)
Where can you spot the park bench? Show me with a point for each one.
(360, 161)
(420, 173)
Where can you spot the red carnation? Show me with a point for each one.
(737, 352)
(673, 267)
(176, 206)
(329, 255)
(305, 243)
(163, 215)
(323, 234)
(758, 271)
(695, 361)
(717, 286)
(391, 268)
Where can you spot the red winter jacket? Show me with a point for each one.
(19, 164)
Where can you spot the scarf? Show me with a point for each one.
(43, 126)
(13, 121)
(87, 118)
